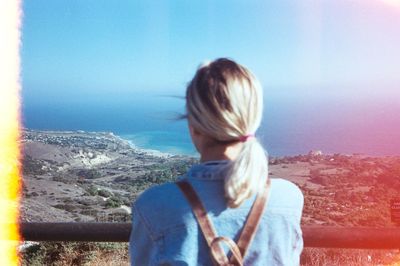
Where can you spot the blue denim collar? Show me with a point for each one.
(211, 170)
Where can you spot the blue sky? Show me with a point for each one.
(74, 48)
(330, 69)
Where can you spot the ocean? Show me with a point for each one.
(292, 124)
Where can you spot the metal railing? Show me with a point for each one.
(314, 236)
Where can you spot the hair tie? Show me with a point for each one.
(246, 137)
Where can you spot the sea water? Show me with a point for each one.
(291, 124)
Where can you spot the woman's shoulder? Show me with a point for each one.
(286, 185)
(285, 194)
(157, 195)
(162, 206)
(158, 189)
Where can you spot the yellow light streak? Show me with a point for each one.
(10, 19)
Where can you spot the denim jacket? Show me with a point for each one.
(165, 231)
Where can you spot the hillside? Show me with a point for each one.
(82, 176)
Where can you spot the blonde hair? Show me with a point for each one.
(224, 101)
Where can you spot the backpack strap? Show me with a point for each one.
(205, 224)
(246, 236)
(253, 220)
(236, 258)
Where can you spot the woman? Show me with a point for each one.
(224, 105)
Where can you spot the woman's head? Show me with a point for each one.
(224, 102)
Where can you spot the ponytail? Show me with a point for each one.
(246, 174)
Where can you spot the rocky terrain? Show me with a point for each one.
(343, 190)
(83, 176)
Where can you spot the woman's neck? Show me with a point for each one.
(220, 152)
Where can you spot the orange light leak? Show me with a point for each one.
(10, 22)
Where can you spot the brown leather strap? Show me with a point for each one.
(253, 220)
(246, 236)
(204, 223)
(232, 246)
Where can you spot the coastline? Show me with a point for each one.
(150, 152)
(121, 138)
(160, 143)
(124, 138)
(167, 144)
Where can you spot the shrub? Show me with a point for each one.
(113, 202)
(92, 190)
(75, 253)
(104, 193)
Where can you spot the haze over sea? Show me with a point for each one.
(293, 123)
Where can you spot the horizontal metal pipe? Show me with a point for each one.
(347, 237)
(321, 236)
(91, 232)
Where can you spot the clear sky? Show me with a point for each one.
(330, 69)
(97, 47)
